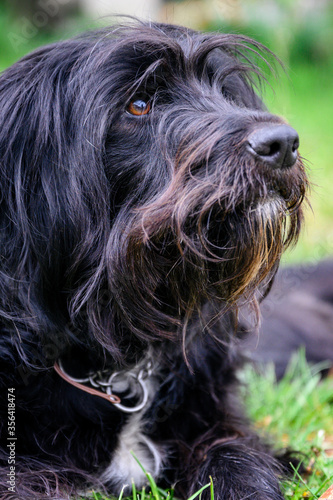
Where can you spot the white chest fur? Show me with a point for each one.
(124, 468)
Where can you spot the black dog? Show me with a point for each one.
(146, 193)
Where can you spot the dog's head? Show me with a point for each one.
(140, 176)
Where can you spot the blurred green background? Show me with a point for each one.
(299, 32)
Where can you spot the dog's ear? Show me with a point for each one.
(54, 192)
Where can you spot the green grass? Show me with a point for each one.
(295, 413)
(151, 492)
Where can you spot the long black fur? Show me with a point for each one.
(122, 235)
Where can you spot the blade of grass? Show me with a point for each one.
(134, 491)
(153, 486)
(298, 475)
(122, 492)
(195, 495)
(211, 488)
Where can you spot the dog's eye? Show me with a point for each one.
(139, 107)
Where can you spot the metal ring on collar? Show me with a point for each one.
(144, 396)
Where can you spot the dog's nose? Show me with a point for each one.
(276, 145)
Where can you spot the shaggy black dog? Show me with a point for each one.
(146, 194)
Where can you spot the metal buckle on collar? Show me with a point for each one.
(106, 381)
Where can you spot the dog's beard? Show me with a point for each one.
(203, 239)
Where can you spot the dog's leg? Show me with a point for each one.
(239, 470)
